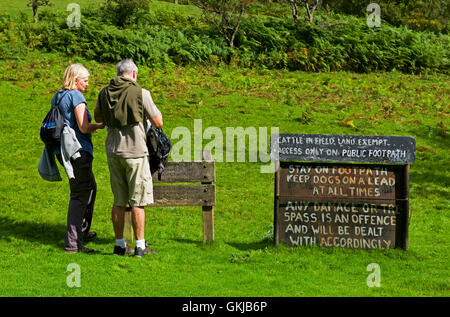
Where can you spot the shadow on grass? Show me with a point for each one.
(257, 245)
(196, 242)
(44, 233)
(428, 169)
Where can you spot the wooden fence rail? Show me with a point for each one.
(201, 194)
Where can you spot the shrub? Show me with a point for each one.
(332, 43)
(124, 12)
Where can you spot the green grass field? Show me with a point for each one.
(242, 261)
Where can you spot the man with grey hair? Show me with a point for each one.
(127, 66)
(124, 107)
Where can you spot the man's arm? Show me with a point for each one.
(150, 109)
(157, 121)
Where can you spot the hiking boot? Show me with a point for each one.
(122, 251)
(82, 250)
(139, 252)
(89, 236)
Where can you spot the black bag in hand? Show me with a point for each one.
(159, 147)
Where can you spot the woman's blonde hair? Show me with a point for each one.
(73, 72)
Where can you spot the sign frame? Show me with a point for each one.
(401, 189)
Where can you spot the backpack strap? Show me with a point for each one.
(59, 100)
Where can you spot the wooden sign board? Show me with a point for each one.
(359, 206)
(343, 148)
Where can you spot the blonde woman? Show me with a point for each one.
(83, 188)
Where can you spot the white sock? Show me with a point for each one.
(140, 244)
(121, 243)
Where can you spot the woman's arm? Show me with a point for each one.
(97, 113)
(83, 122)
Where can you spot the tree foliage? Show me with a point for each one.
(225, 15)
(160, 39)
(125, 12)
(422, 15)
(310, 6)
(35, 4)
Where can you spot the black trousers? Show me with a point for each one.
(83, 190)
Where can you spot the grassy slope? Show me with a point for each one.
(16, 6)
(240, 262)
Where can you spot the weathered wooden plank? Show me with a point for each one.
(347, 205)
(339, 181)
(343, 148)
(340, 223)
(184, 195)
(203, 194)
(187, 172)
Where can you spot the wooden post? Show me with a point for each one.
(276, 236)
(208, 211)
(405, 230)
(128, 232)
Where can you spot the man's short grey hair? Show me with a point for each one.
(127, 66)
